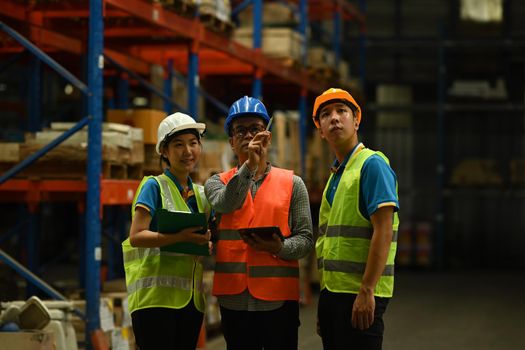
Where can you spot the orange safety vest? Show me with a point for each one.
(238, 266)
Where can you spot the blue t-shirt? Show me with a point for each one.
(377, 186)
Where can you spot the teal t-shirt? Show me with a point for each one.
(378, 184)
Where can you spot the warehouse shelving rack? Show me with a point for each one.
(442, 48)
(190, 47)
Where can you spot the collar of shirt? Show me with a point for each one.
(185, 192)
(339, 167)
(266, 171)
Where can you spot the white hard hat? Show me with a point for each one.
(174, 123)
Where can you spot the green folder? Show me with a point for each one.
(173, 222)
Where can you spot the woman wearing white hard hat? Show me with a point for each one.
(165, 295)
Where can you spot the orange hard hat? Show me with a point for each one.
(335, 95)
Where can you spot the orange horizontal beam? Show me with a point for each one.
(132, 63)
(210, 61)
(41, 36)
(113, 192)
(179, 52)
(117, 192)
(44, 38)
(22, 185)
(194, 30)
(13, 10)
(154, 13)
(137, 32)
(79, 13)
(225, 69)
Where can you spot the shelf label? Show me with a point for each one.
(155, 14)
(98, 254)
(101, 62)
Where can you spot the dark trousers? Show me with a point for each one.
(335, 320)
(257, 330)
(164, 328)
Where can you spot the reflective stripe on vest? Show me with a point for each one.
(141, 253)
(157, 278)
(162, 281)
(349, 267)
(342, 225)
(350, 232)
(238, 266)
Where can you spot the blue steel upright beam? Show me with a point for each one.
(303, 120)
(362, 46)
(336, 39)
(168, 91)
(32, 236)
(303, 24)
(257, 44)
(440, 170)
(193, 83)
(93, 251)
(34, 101)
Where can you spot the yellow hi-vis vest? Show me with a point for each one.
(344, 236)
(156, 278)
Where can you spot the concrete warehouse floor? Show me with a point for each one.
(458, 310)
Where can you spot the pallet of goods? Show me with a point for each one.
(477, 172)
(214, 14)
(321, 64)
(281, 43)
(122, 153)
(275, 14)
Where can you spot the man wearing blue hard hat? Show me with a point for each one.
(256, 273)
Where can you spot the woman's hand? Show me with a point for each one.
(192, 235)
(272, 246)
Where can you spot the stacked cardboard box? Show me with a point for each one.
(281, 43)
(275, 14)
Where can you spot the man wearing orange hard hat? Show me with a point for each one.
(358, 225)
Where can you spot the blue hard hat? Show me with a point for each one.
(244, 107)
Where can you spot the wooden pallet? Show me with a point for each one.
(214, 23)
(289, 62)
(323, 73)
(76, 171)
(181, 7)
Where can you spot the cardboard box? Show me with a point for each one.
(27, 340)
(146, 119)
(9, 152)
(274, 14)
(276, 42)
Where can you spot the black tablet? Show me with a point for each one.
(263, 232)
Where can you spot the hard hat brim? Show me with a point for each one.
(261, 115)
(336, 96)
(200, 127)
